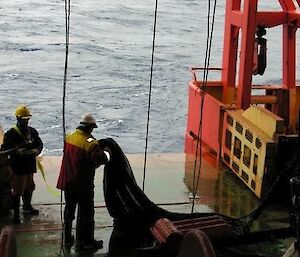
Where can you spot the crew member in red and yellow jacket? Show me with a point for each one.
(82, 155)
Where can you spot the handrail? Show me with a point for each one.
(193, 70)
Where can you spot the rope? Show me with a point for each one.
(67, 28)
(203, 92)
(150, 90)
(41, 169)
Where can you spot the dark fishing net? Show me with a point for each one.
(134, 213)
(125, 200)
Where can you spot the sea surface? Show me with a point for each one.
(110, 65)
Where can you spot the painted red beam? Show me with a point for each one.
(289, 57)
(287, 5)
(271, 19)
(246, 59)
(268, 19)
(294, 18)
(230, 49)
(237, 18)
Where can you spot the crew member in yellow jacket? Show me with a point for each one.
(22, 144)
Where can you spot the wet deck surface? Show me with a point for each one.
(168, 182)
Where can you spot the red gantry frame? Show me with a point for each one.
(242, 20)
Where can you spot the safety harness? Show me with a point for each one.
(38, 163)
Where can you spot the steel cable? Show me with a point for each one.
(150, 91)
(202, 92)
(67, 29)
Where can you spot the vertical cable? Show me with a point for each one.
(67, 30)
(203, 92)
(150, 90)
(67, 24)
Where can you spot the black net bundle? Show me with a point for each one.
(134, 214)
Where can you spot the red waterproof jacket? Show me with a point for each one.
(82, 155)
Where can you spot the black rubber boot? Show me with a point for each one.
(93, 246)
(85, 240)
(97, 244)
(68, 237)
(16, 207)
(27, 207)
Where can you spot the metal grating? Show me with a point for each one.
(247, 153)
(249, 135)
(253, 184)
(227, 158)
(255, 162)
(237, 150)
(245, 176)
(239, 128)
(258, 143)
(235, 167)
(247, 156)
(230, 120)
(228, 139)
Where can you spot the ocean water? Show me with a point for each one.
(109, 66)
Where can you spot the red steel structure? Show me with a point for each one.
(246, 21)
(210, 100)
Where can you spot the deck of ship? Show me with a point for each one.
(168, 179)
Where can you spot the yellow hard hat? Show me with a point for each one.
(23, 112)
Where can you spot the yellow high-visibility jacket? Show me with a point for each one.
(82, 155)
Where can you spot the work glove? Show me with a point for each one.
(34, 151)
(107, 152)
